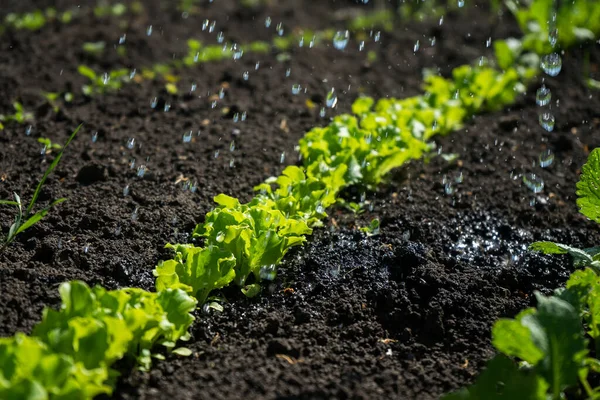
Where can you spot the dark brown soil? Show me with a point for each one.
(406, 314)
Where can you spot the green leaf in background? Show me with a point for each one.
(503, 380)
(588, 187)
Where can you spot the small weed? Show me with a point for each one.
(25, 219)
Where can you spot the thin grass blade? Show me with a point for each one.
(50, 169)
(35, 218)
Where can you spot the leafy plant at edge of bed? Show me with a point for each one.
(25, 220)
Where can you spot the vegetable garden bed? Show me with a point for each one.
(400, 310)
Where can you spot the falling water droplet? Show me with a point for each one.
(546, 158)
(131, 143)
(361, 45)
(553, 37)
(282, 158)
(460, 3)
(288, 72)
(246, 75)
(149, 30)
(167, 107)
(154, 102)
(323, 112)
(296, 88)
(543, 96)
(279, 29)
(126, 190)
(187, 137)
(28, 130)
(547, 121)
(533, 182)
(135, 214)
(141, 171)
(551, 64)
(220, 37)
(488, 42)
(220, 237)
(331, 99)
(94, 137)
(340, 39)
(268, 272)
(416, 46)
(267, 22)
(377, 36)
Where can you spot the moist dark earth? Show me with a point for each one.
(404, 314)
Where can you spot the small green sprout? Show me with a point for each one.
(20, 116)
(25, 219)
(94, 48)
(49, 146)
(372, 229)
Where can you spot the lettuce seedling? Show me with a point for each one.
(30, 370)
(97, 327)
(588, 200)
(25, 219)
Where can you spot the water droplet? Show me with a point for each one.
(268, 272)
(533, 182)
(246, 75)
(132, 74)
(296, 88)
(193, 88)
(288, 72)
(135, 214)
(131, 143)
(28, 130)
(149, 30)
(194, 186)
(361, 45)
(118, 230)
(220, 237)
(216, 155)
(546, 158)
(222, 93)
(322, 113)
(547, 121)
(86, 248)
(244, 115)
(543, 96)
(441, 22)
(141, 171)
(126, 190)
(341, 39)
(488, 42)
(377, 36)
(416, 46)
(331, 99)
(167, 107)
(154, 102)
(279, 29)
(460, 3)
(282, 158)
(94, 137)
(257, 66)
(212, 26)
(236, 117)
(267, 22)
(232, 146)
(132, 163)
(205, 24)
(551, 64)
(122, 38)
(301, 42)
(220, 37)
(231, 163)
(105, 78)
(187, 137)
(553, 37)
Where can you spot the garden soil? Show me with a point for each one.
(403, 314)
